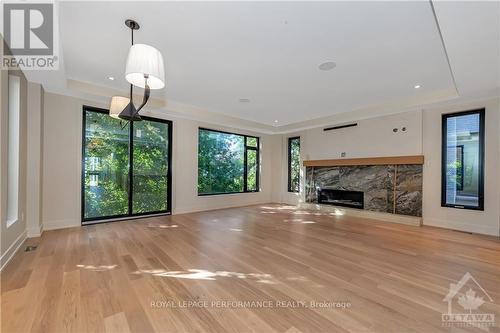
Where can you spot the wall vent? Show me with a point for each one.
(30, 248)
(339, 127)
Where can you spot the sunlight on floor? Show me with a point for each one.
(202, 274)
(297, 278)
(296, 210)
(164, 226)
(280, 207)
(97, 268)
(299, 221)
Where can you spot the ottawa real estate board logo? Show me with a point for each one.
(29, 32)
(464, 300)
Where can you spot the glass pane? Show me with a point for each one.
(251, 170)
(105, 166)
(220, 162)
(294, 165)
(251, 141)
(150, 167)
(463, 160)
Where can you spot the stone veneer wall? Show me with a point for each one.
(381, 184)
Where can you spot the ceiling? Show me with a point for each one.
(217, 53)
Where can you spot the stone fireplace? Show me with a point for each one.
(395, 189)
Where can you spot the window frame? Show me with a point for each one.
(13, 148)
(130, 214)
(290, 139)
(444, 153)
(245, 159)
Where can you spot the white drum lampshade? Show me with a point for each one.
(144, 59)
(118, 104)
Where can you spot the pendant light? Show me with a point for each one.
(144, 69)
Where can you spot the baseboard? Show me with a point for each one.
(12, 250)
(187, 210)
(35, 232)
(455, 225)
(61, 224)
(385, 217)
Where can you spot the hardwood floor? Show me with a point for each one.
(180, 274)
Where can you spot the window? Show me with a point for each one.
(294, 164)
(126, 171)
(14, 87)
(463, 160)
(227, 162)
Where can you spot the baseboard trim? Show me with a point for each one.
(384, 217)
(460, 226)
(12, 250)
(188, 210)
(35, 232)
(60, 224)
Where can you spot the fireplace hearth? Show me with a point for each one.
(353, 199)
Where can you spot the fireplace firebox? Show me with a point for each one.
(354, 199)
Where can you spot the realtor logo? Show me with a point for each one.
(469, 295)
(28, 29)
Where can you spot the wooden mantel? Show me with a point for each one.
(390, 160)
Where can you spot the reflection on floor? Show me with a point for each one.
(266, 268)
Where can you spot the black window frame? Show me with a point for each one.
(245, 159)
(290, 139)
(444, 153)
(129, 215)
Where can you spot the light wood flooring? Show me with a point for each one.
(292, 268)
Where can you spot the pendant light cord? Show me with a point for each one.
(132, 38)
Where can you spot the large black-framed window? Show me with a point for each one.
(126, 171)
(462, 175)
(294, 164)
(227, 162)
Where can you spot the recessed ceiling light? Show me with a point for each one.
(111, 78)
(327, 66)
(417, 86)
(244, 100)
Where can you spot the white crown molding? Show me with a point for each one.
(159, 107)
(166, 108)
(385, 110)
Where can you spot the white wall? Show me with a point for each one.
(62, 164)
(185, 170)
(12, 236)
(374, 137)
(487, 221)
(34, 160)
(371, 138)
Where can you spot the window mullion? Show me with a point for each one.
(245, 166)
